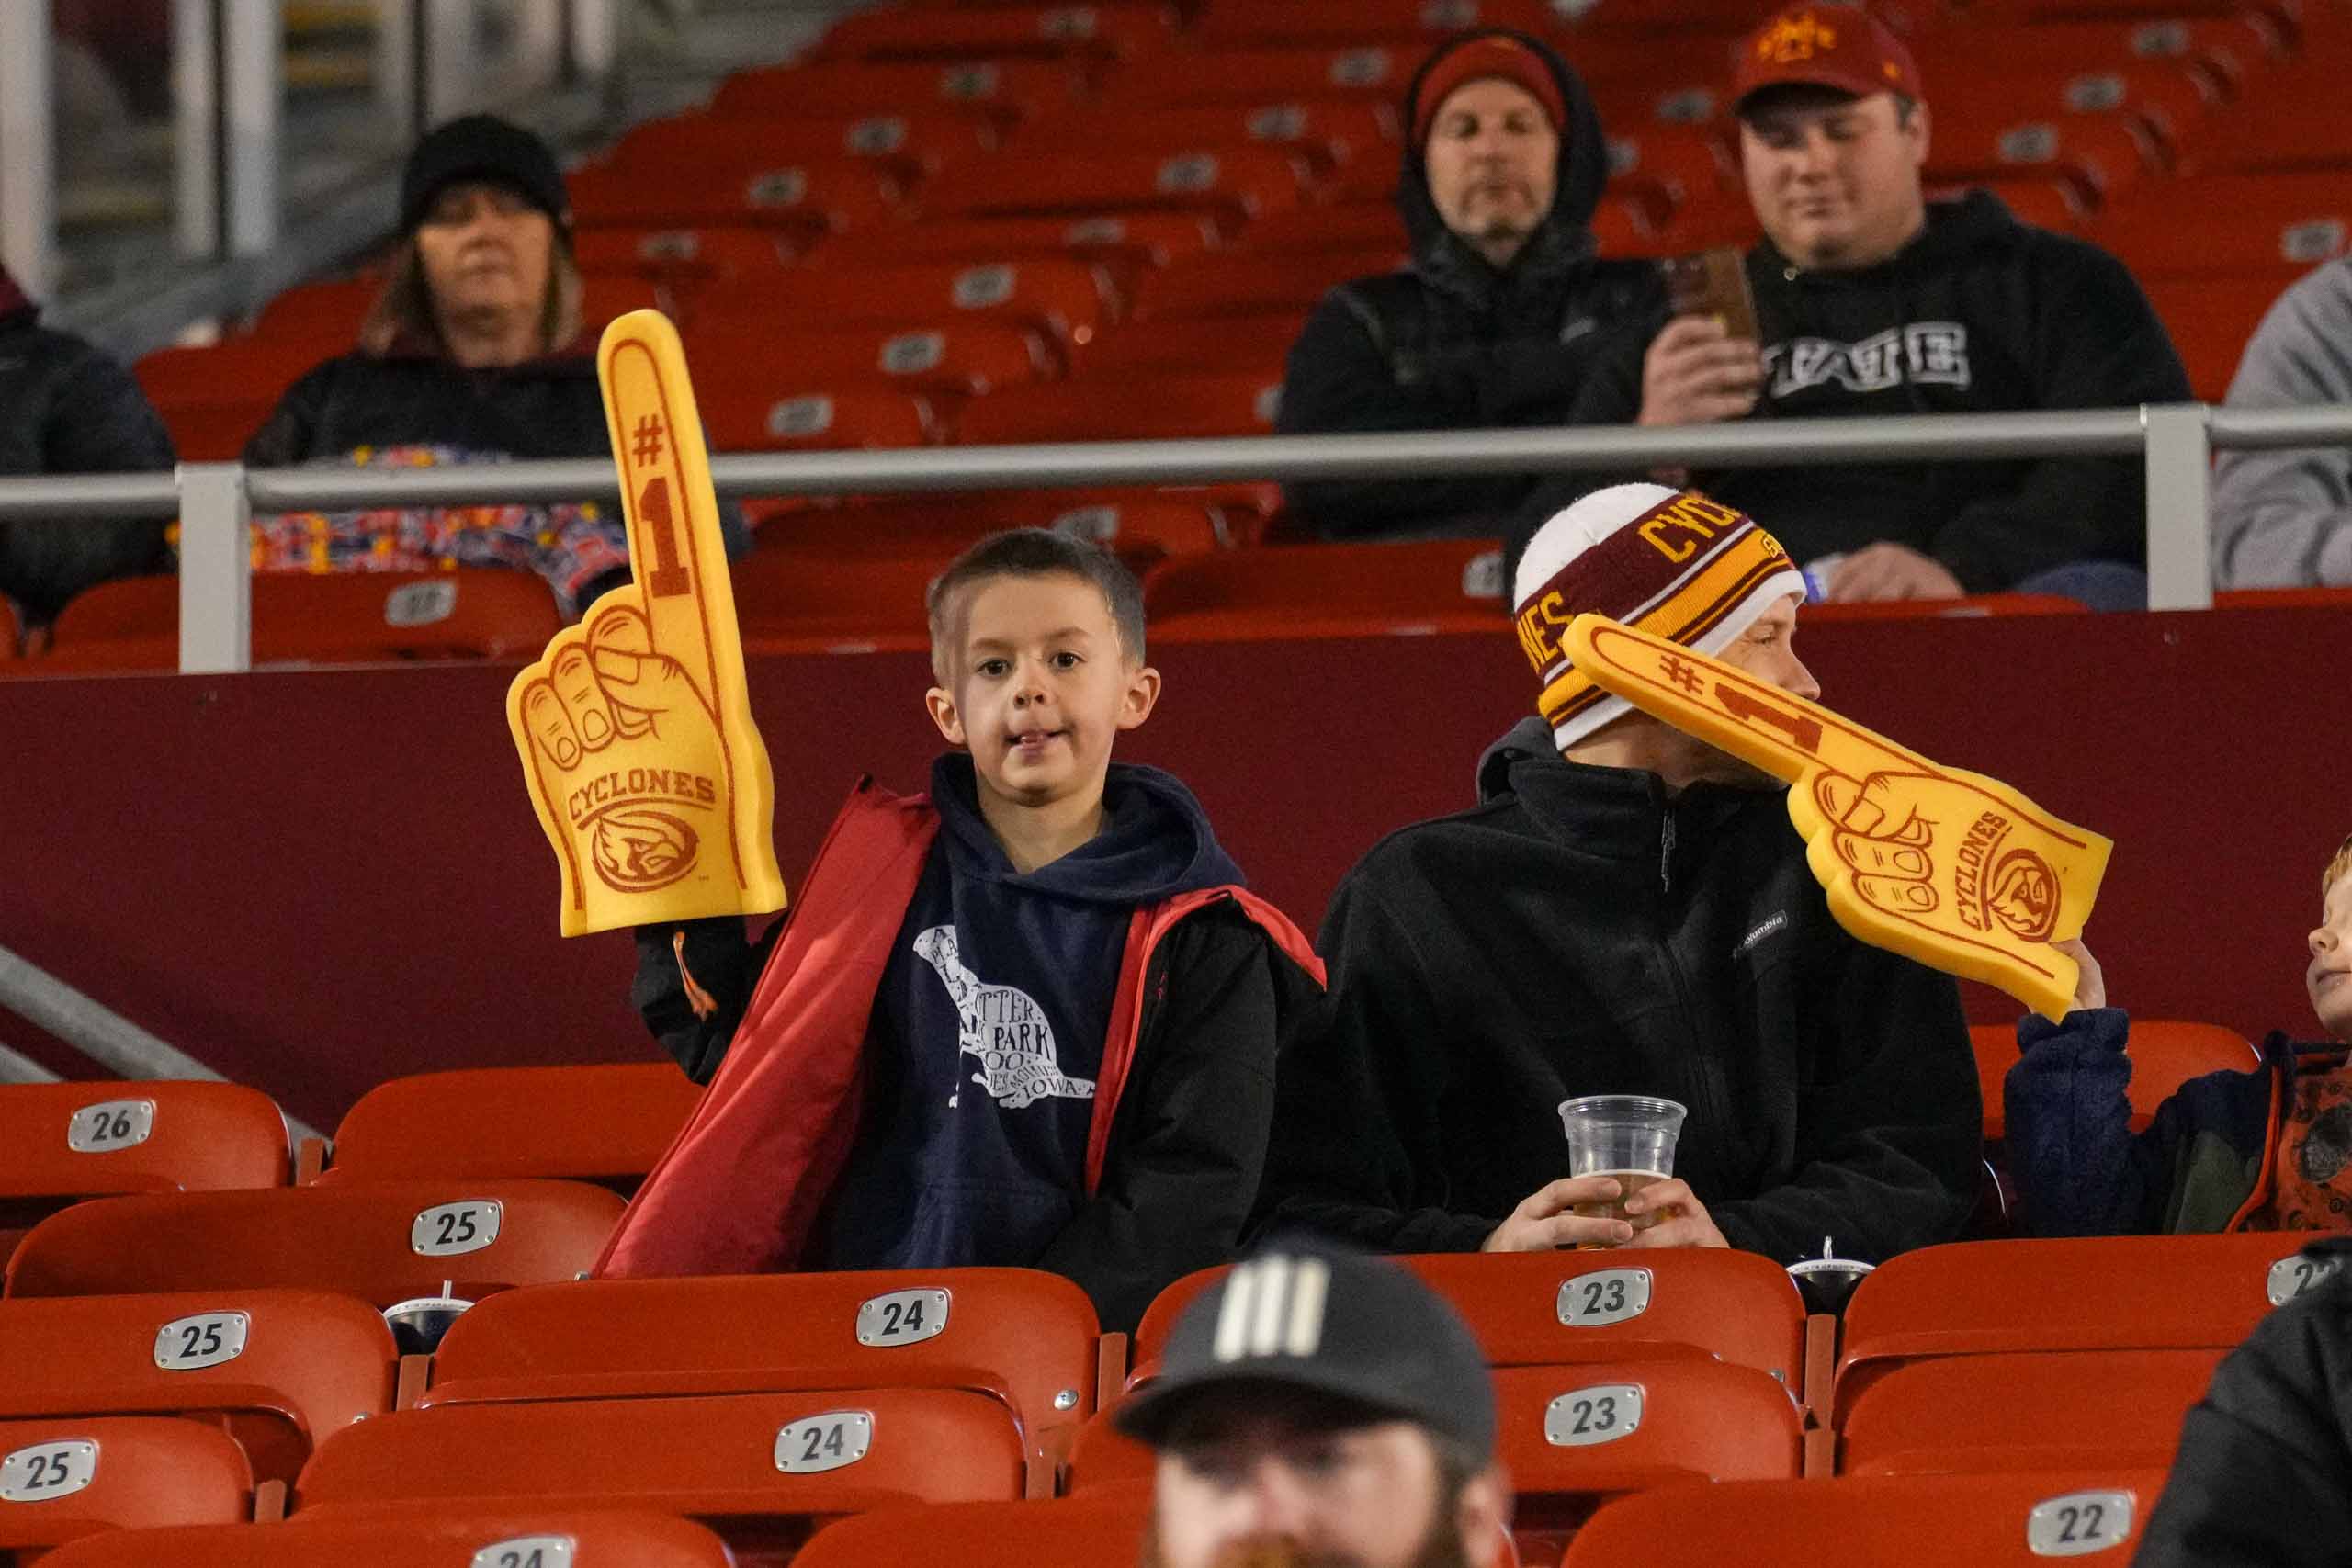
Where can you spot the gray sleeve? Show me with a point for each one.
(2284, 518)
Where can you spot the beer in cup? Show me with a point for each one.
(1627, 1137)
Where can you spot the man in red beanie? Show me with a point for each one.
(1871, 300)
(1495, 319)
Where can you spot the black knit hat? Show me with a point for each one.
(1304, 1314)
(482, 147)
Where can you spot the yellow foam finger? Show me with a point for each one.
(1950, 867)
(663, 809)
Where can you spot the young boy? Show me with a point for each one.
(2267, 1150)
(1029, 1019)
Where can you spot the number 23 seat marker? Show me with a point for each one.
(1953, 869)
(635, 727)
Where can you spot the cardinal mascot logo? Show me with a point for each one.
(638, 849)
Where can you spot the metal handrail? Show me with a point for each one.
(215, 500)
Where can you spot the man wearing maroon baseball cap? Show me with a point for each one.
(1869, 299)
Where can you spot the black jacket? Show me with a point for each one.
(544, 408)
(1583, 932)
(1980, 312)
(66, 408)
(1452, 343)
(1188, 1142)
(2262, 1477)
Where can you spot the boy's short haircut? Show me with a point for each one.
(2336, 868)
(1035, 552)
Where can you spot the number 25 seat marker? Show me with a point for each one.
(635, 727)
(1953, 869)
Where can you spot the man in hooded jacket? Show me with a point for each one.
(1495, 320)
(66, 408)
(1872, 301)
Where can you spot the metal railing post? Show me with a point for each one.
(195, 133)
(216, 569)
(2180, 531)
(28, 146)
(253, 98)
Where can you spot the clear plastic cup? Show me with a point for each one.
(1628, 1136)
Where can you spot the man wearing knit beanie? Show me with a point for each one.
(1494, 319)
(1628, 912)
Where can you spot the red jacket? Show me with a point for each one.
(740, 1189)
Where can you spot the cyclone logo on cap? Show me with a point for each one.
(638, 849)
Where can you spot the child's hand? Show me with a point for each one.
(2090, 984)
(635, 730)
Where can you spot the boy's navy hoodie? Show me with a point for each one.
(988, 1028)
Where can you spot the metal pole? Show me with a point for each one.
(2180, 532)
(253, 93)
(195, 132)
(216, 569)
(27, 151)
(396, 67)
(17, 1067)
(105, 1036)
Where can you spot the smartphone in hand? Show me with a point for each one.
(1712, 283)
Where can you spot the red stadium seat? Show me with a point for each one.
(1002, 90)
(383, 1242)
(2018, 1521)
(77, 1476)
(750, 348)
(1063, 299)
(1163, 408)
(680, 257)
(355, 617)
(1350, 226)
(908, 146)
(215, 434)
(1242, 283)
(2164, 1055)
(2231, 49)
(2171, 98)
(1255, 344)
(1668, 167)
(2100, 155)
(1092, 1532)
(2296, 219)
(2027, 1411)
(61, 1142)
(769, 1466)
(793, 604)
(1027, 1340)
(744, 415)
(1054, 31)
(281, 1370)
(1411, 24)
(1353, 589)
(1269, 76)
(2046, 203)
(605, 1122)
(807, 200)
(1556, 1309)
(2211, 318)
(494, 1540)
(1330, 131)
(2099, 1295)
(239, 372)
(1231, 185)
(1126, 242)
(327, 313)
(1570, 1437)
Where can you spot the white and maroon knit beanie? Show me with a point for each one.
(1672, 562)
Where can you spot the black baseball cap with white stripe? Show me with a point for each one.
(1305, 1314)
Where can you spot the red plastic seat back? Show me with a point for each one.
(2164, 1055)
(2031, 1411)
(1397, 590)
(61, 1479)
(63, 1141)
(604, 1122)
(638, 1540)
(382, 1242)
(1092, 1532)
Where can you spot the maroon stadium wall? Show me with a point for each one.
(315, 881)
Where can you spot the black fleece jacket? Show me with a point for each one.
(1584, 933)
(1451, 342)
(2262, 1477)
(1978, 313)
(66, 408)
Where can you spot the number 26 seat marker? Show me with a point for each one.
(635, 727)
